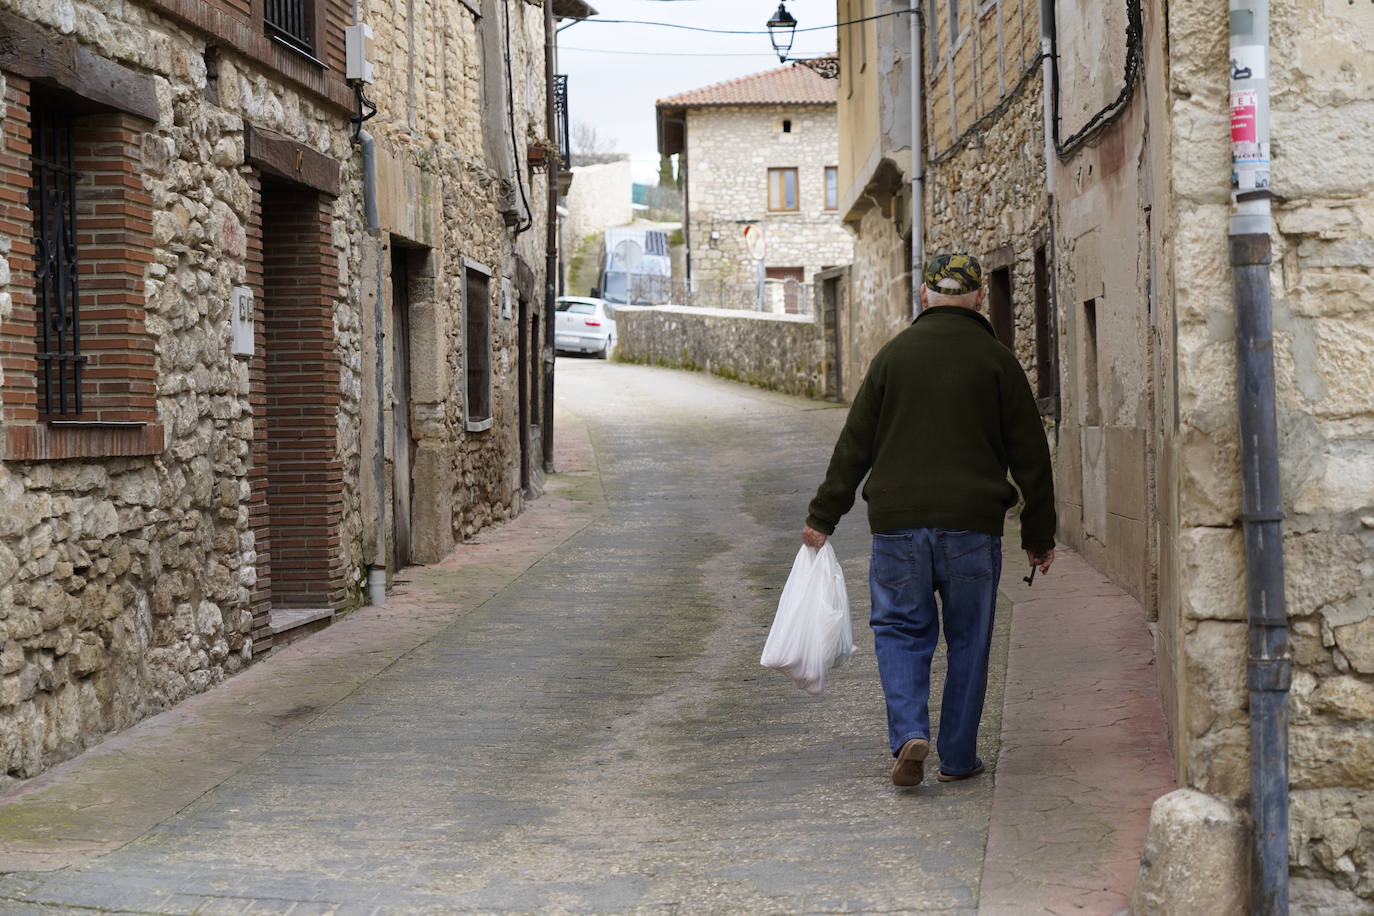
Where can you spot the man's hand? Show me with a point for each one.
(1041, 559)
(813, 538)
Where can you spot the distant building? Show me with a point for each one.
(761, 150)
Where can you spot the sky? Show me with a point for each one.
(617, 72)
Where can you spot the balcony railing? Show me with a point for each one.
(560, 101)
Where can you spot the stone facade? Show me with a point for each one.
(729, 151)
(985, 188)
(1323, 312)
(199, 500)
(760, 154)
(879, 294)
(459, 208)
(990, 197)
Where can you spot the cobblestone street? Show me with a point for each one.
(566, 716)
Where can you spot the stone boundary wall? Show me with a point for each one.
(781, 352)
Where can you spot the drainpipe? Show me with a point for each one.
(550, 240)
(376, 573)
(1269, 669)
(918, 211)
(1050, 129)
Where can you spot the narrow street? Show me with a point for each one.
(576, 723)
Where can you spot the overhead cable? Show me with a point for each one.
(697, 28)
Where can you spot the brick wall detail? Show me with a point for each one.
(301, 398)
(114, 249)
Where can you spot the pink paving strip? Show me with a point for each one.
(1084, 748)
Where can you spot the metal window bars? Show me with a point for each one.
(53, 202)
(292, 22)
(560, 100)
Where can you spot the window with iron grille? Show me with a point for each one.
(293, 21)
(53, 203)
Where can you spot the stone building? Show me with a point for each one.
(1106, 174)
(984, 173)
(193, 405)
(761, 151)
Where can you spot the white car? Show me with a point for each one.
(584, 326)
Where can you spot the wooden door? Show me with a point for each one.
(400, 408)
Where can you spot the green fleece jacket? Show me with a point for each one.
(944, 412)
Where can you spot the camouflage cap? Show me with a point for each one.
(953, 274)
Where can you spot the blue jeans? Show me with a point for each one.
(908, 569)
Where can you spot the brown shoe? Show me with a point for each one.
(955, 777)
(910, 767)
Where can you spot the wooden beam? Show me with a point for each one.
(47, 57)
(280, 156)
(102, 80)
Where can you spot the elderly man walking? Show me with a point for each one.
(943, 414)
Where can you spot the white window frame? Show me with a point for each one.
(470, 423)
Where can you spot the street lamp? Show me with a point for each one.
(780, 32)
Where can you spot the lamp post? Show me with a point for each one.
(780, 32)
(781, 29)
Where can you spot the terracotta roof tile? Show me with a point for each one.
(790, 85)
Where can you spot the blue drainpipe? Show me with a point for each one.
(1269, 668)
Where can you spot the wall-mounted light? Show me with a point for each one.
(780, 32)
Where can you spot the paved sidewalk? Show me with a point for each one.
(567, 715)
(1084, 745)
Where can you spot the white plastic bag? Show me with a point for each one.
(811, 632)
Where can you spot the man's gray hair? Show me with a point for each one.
(967, 300)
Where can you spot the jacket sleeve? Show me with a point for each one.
(1028, 454)
(852, 458)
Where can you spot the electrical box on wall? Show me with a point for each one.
(358, 52)
(241, 320)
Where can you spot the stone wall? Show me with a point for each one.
(782, 352)
(140, 565)
(985, 188)
(456, 194)
(126, 582)
(1323, 308)
(878, 305)
(729, 153)
(990, 198)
